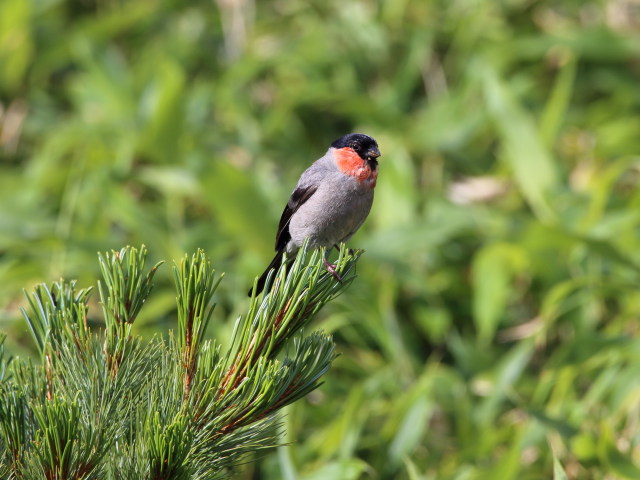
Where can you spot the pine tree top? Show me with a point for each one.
(104, 404)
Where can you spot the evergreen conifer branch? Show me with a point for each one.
(57, 310)
(291, 302)
(106, 405)
(127, 288)
(58, 317)
(195, 284)
(127, 285)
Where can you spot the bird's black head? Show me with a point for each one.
(365, 146)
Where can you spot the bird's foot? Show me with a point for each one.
(331, 268)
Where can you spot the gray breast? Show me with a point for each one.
(333, 213)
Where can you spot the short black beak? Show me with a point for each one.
(373, 153)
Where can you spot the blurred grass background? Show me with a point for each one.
(493, 332)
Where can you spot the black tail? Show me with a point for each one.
(274, 265)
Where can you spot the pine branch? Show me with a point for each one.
(108, 405)
(127, 288)
(195, 284)
(59, 316)
(286, 309)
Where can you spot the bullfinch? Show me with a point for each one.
(330, 202)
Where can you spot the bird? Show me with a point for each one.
(330, 202)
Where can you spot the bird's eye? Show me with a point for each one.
(355, 146)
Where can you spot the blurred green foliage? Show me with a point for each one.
(493, 332)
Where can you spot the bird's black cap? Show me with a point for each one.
(362, 144)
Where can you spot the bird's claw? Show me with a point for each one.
(331, 268)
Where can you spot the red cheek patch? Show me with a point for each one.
(348, 160)
(350, 163)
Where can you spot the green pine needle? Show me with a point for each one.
(106, 404)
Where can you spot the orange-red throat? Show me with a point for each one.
(350, 163)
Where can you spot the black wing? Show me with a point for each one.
(298, 197)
